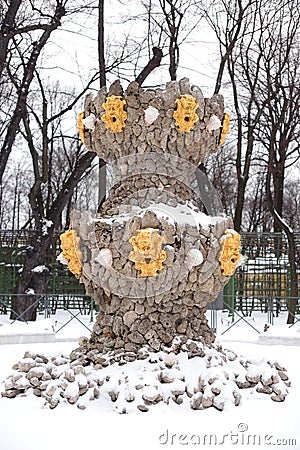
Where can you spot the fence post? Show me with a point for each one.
(229, 296)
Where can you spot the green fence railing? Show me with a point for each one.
(262, 281)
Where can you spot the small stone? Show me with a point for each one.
(266, 381)
(278, 398)
(129, 317)
(264, 389)
(207, 402)
(150, 394)
(253, 379)
(170, 360)
(237, 398)
(69, 375)
(279, 367)
(136, 337)
(22, 383)
(243, 384)
(143, 408)
(166, 376)
(36, 372)
(35, 382)
(46, 376)
(37, 392)
(218, 404)
(11, 393)
(29, 354)
(60, 360)
(178, 399)
(129, 396)
(196, 401)
(71, 393)
(283, 375)
(279, 388)
(26, 364)
(113, 395)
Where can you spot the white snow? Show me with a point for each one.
(30, 291)
(46, 224)
(62, 260)
(256, 419)
(180, 214)
(39, 269)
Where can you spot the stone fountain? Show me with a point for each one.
(156, 253)
(151, 257)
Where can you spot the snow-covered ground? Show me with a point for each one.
(26, 425)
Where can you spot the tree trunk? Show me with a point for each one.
(32, 282)
(291, 241)
(29, 70)
(36, 282)
(7, 25)
(240, 200)
(293, 277)
(278, 184)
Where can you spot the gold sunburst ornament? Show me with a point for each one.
(148, 255)
(225, 129)
(230, 252)
(70, 245)
(115, 116)
(80, 125)
(185, 115)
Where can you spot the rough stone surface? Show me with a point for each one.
(154, 184)
(153, 310)
(162, 135)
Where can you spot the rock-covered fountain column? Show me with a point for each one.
(156, 253)
(152, 258)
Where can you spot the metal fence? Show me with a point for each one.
(13, 247)
(262, 283)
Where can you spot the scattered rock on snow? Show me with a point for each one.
(186, 373)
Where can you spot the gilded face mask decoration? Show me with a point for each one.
(148, 254)
(230, 252)
(115, 116)
(70, 245)
(185, 115)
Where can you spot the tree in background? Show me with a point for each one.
(59, 161)
(24, 32)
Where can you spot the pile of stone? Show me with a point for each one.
(188, 374)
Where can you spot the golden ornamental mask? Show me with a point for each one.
(185, 115)
(230, 252)
(225, 129)
(70, 245)
(80, 125)
(115, 116)
(148, 255)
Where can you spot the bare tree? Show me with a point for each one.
(229, 21)
(277, 98)
(50, 149)
(12, 33)
(220, 168)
